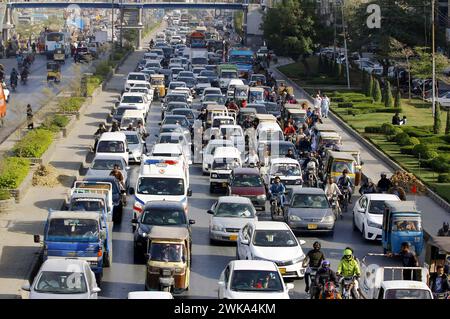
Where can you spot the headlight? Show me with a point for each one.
(294, 218)
(373, 224)
(214, 175)
(217, 228)
(328, 219)
(298, 182)
(263, 197)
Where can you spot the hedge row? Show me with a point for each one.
(13, 171)
(55, 123)
(71, 104)
(34, 144)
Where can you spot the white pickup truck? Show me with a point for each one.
(381, 278)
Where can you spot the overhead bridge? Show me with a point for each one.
(234, 5)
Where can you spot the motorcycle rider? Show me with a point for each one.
(345, 182)
(368, 188)
(348, 267)
(332, 190)
(24, 74)
(289, 129)
(14, 77)
(277, 189)
(290, 154)
(101, 129)
(324, 275)
(384, 184)
(315, 257)
(118, 175)
(444, 231)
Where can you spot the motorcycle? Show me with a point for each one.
(311, 174)
(276, 210)
(24, 79)
(334, 201)
(345, 198)
(312, 280)
(13, 85)
(347, 284)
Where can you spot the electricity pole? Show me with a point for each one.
(112, 28)
(433, 81)
(345, 45)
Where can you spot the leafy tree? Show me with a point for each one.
(388, 98)
(437, 119)
(370, 86)
(376, 91)
(422, 65)
(398, 100)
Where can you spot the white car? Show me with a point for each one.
(135, 146)
(176, 138)
(368, 214)
(444, 99)
(63, 279)
(252, 279)
(208, 152)
(103, 164)
(228, 215)
(134, 76)
(138, 100)
(273, 241)
(288, 169)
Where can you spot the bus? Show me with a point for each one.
(55, 40)
(243, 59)
(197, 40)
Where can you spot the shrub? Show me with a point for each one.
(420, 149)
(430, 154)
(388, 110)
(376, 91)
(414, 141)
(388, 98)
(446, 138)
(338, 99)
(71, 104)
(92, 83)
(102, 69)
(34, 144)
(402, 139)
(388, 128)
(373, 129)
(439, 164)
(13, 171)
(345, 105)
(443, 178)
(416, 131)
(445, 148)
(4, 194)
(60, 120)
(363, 100)
(407, 149)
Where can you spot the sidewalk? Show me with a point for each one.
(17, 249)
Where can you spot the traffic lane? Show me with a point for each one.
(433, 215)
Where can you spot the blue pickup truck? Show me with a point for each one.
(78, 234)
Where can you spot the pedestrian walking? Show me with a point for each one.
(325, 105)
(30, 117)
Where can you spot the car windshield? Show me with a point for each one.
(272, 107)
(188, 81)
(274, 238)
(176, 105)
(201, 61)
(214, 98)
(163, 217)
(106, 164)
(188, 113)
(407, 294)
(121, 110)
(247, 59)
(202, 80)
(176, 98)
(110, 147)
(281, 149)
(212, 147)
(61, 282)
(136, 77)
(309, 201)
(285, 170)
(207, 73)
(132, 99)
(377, 207)
(256, 280)
(176, 120)
(68, 229)
(132, 139)
(135, 90)
(166, 252)
(86, 205)
(126, 121)
(217, 122)
(339, 166)
(260, 109)
(235, 210)
(225, 164)
(229, 75)
(160, 186)
(169, 138)
(152, 65)
(406, 224)
(247, 180)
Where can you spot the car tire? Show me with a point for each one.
(363, 230)
(212, 242)
(354, 223)
(98, 279)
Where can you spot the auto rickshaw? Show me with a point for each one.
(264, 118)
(59, 55)
(244, 112)
(169, 259)
(215, 110)
(328, 140)
(336, 162)
(256, 95)
(157, 81)
(402, 222)
(298, 116)
(437, 251)
(357, 155)
(53, 71)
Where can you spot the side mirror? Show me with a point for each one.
(26, 286)
(362, 163)
(131, 191)
(189, 192)
(244, 242)
(289, 286)
(37, 239)
(159, 123)
(361, 210)
(191, 222)
(302, 242)
(96, 290)
(221, 283)
(209, 211)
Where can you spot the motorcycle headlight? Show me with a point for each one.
(294, 218)
(217, 227)
(262, 197)
(328, 219)
(373, 224)
(214, 175)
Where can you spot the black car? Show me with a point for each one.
(158, 213)
(118, 195)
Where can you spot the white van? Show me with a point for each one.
(113, 143)
(136, 99)
(225, 159)
(131, 117)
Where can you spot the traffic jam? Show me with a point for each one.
(203, 119)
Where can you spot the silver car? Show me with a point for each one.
(135, 146)
(308, 210)
(63, 279)
(102, 165)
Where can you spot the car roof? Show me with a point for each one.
(167, 147)
(163, 204)
(382, 197)
(74, 214)
(254, 265)
(169, 232)
(112, 136)
(284, 160)
(308, 190)
(404, 284)
(108, 156)
(61, 264)
(270, 225)
(246, 170)
(234, 199)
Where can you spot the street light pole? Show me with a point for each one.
(345, 45)
(112, 28)
(433, 81)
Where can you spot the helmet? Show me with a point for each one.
(325, 264)
(348, 252)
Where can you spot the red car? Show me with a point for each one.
(247, 182)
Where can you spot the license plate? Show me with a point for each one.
(233, 237)
(282, 270)
(312, 226)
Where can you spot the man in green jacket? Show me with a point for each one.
(348, 267)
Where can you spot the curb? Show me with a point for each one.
(370, 147)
